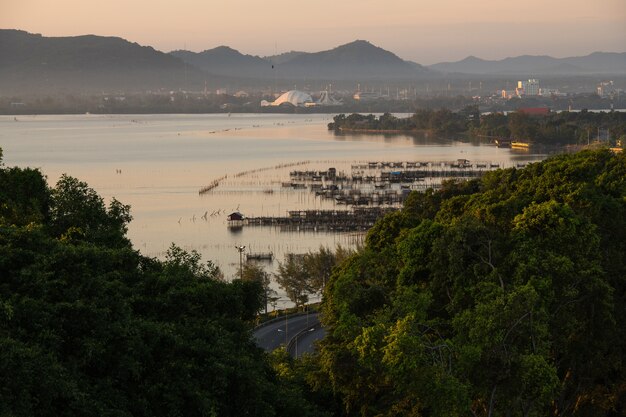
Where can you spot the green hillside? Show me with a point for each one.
(499, 297)
(89, 327)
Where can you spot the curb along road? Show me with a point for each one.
(289, 331)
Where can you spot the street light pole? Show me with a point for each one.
(240, 249)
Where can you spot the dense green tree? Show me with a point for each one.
(522, 126)
(319, 265)
(504, 296)
(253, 272)
(553, 128)
(304, 378)
(302, 275)
(293, 277)
(78, 212)
(440, 121)
(24, 196)
(89, 327)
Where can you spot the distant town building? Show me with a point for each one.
(605, 89)
(327, 100)
(508, 94)
(298, 98)
(528, 88)
(294, 97)
(534, 111)
(366, 95)
(550, 92)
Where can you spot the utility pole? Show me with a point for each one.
(240, 249)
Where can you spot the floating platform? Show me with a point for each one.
(358, 219)
(268, 256)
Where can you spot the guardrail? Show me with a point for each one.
(293, 342)
(277, 319)
(291, 345)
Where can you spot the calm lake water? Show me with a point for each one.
(158, 163)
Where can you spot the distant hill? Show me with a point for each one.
(284, 57)
(595, 63)
(31, 63)
(355, 60)
(34, 64)
(224, 60)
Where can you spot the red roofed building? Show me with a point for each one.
(535, 111)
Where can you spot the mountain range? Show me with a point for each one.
(31, 63)
(595, 63)
(224, 60)
(358, 60)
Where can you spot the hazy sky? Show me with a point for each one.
(422, 31)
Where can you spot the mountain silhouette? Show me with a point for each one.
(37, 64)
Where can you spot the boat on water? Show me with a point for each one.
(503, 143)
(519, 144)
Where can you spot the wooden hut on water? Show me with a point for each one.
(235, 216)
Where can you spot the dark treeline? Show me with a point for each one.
(439, 121)
(499, 296)
(555, 128)
(89, 327)
(565, 127)
(502, 296)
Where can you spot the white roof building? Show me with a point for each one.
(294, 97)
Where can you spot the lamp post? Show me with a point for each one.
(240, 249)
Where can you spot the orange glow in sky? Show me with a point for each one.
(422, 31)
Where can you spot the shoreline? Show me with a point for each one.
(353, 130)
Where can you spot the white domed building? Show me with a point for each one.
(295, 98)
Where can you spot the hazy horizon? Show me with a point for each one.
(424, 32)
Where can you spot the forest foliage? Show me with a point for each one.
(553, 128)
(90, 327)
(503, 296)
(500, 296)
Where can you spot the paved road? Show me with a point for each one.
(280, 332)
(306, 341)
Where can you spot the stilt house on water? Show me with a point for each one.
(235, 216)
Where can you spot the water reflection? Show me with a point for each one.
(158, 164)
(417, 138)
(235, 229)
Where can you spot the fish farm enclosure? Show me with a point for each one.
(348, 200)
